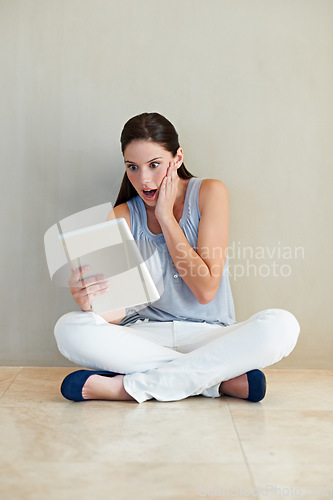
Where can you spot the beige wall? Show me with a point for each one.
(248, 85)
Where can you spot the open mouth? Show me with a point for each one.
(149, 193)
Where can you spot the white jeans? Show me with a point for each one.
(173, 360)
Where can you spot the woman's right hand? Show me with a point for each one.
(84, 290)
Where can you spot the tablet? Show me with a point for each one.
(109, 248)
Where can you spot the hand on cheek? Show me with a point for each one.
(167, 194)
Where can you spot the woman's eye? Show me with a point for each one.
(154, 164)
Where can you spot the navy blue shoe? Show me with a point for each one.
(257, 385)
(71, 387)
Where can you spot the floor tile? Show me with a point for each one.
(35, 386)
(285, 436)
(294, 390)
(7, 375)
(131, 432)
(180, 449)
(294, 480)
(144, 481)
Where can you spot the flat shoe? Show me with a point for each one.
(257, 385)
(71, 387)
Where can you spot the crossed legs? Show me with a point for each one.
(213, 364)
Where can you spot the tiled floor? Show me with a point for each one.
(51, 448)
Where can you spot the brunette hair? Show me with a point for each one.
(149, 127)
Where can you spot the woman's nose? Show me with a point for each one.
(145, 177)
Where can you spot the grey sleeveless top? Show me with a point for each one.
(176, 302)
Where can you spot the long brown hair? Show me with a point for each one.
(150, 127)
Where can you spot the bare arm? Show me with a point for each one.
(202, 269)
(84, 290)
(118, 212)
(114, 317)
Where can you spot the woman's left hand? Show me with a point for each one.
(167, 195)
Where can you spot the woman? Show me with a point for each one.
(188, 342)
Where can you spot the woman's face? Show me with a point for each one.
(146, 164)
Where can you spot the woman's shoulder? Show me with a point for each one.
(210, 190)
(120, 211)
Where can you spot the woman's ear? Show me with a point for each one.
(178, 158)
